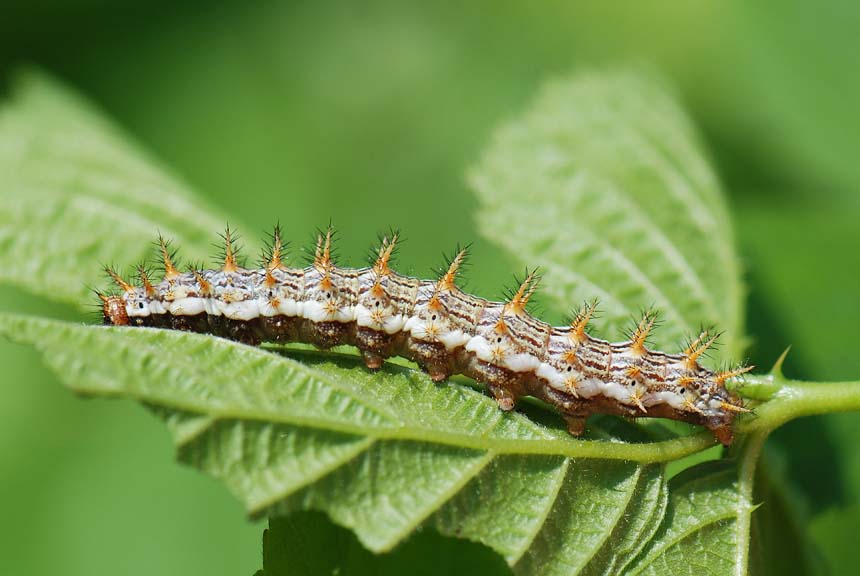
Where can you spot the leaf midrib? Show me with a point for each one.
(570, 447)
(661, 451)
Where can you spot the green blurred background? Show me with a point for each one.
(370, 115)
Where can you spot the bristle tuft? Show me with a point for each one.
(276, 255)
(734, 408)
(167, 259)
(144, 279)
(205, 285)
(447, 282)
(636, 397)
(118, 280)
(640, 335)
(527, 288)
(581, 320)
(385, 251)
(230, 264)
(722, 377)
(698, 347)
(322, 253)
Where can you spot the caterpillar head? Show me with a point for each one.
(113, 308)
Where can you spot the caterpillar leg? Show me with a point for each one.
(371, 360)
(375, 346)
(575, 424)
(505, 386)
(504, 398)
(431, 357)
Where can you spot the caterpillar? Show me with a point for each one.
(435, 324)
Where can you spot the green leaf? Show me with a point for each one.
(382, 453)
(700, 531)
(76, 193)
(636, 528)
(602, 184)
(389, 453)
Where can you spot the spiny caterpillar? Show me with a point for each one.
(438, 326)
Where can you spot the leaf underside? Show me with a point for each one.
(387, 453)
(381, 453)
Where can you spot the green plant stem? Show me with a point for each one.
(792, 399)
